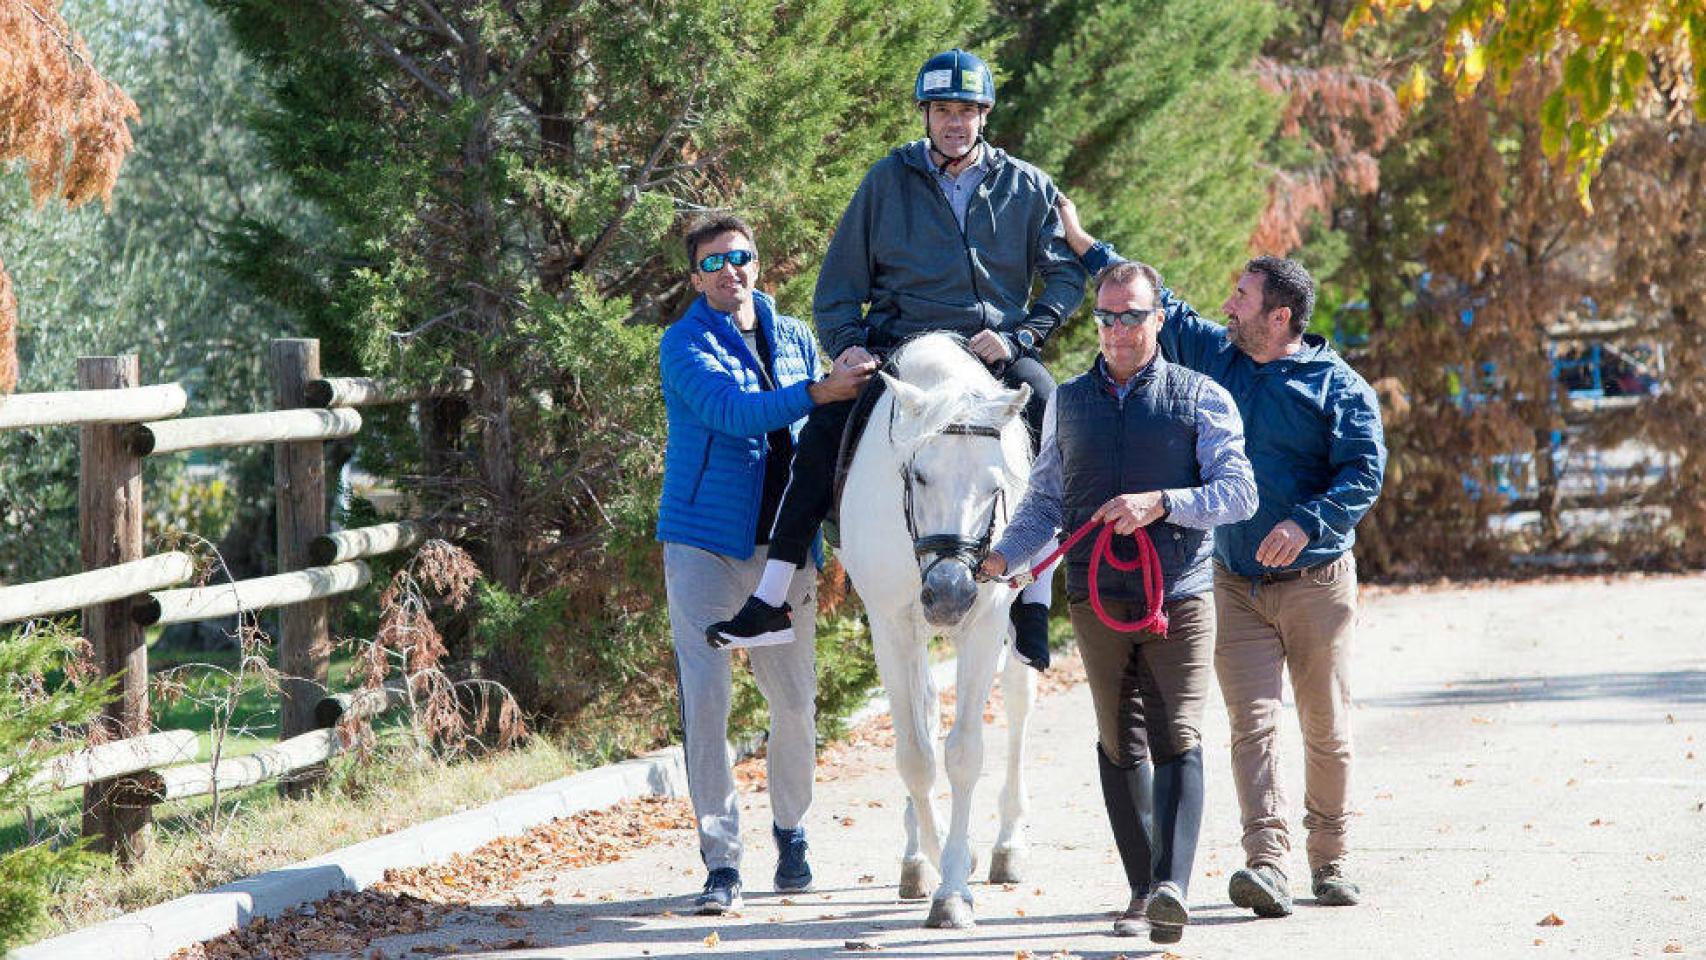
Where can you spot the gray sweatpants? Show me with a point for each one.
(704, 588)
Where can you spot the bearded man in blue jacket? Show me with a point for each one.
(946, 233)
(1285, 582)
(738, 379)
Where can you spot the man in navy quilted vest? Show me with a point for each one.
(1285, 582)
(1139, 442)
(946, 233)
(738, 380)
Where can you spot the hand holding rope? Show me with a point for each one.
(1147, 560)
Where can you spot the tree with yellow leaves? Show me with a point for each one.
(67, 124)
(1616, 54)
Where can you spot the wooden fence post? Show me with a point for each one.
(304, 641)
(109, 502)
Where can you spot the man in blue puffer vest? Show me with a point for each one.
(1285, 583)
(946, 233)
(738, 379)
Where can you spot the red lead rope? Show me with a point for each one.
(1156, 620)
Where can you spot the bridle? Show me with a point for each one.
(946, 546)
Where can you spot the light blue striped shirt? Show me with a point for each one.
(959, 189)
(1227, 493)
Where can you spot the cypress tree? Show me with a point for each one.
(1149, 116)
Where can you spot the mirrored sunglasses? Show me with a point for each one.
(1125, 318)
(715, 261)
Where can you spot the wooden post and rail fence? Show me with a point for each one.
(121, 591)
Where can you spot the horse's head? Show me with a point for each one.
(957, 474)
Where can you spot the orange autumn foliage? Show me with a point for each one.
(65, 122)
(1346, 119)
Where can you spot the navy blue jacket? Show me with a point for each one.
(1311, 430)
(899, 264)
(719, 415)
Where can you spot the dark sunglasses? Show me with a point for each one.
(1125, 318)
(715, 261)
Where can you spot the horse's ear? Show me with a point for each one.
(911, 399)
(1016, 404)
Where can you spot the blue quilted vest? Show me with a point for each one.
(1109, 446)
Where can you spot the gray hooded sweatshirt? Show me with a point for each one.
(899, 265)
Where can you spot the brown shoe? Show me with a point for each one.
(1132, 923)
(1332, 889)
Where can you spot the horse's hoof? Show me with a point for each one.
(1007, 865)
(916, 880)
(950, 913)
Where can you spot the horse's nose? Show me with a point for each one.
(949, 592)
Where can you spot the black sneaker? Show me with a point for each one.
(1332, 889)
(722, 893)
(793, 873)
(1030, 633)
(1166, 913)
(1261, 888)
(758, 624)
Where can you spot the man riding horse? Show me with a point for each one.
(946, 233)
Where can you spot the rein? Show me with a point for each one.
(1147, 560)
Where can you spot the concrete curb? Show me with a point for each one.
(157, 932)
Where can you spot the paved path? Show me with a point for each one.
(1522, 752)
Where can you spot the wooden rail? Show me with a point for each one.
(359, 542)
(104, 585)
(239, 429)
(77, 407)
(115, 759)
(365, 704)
(261, 593)
(231, 773)
(369, 391)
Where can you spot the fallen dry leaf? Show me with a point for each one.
(1551, 920)
(1599, 822)
(1462, 782)
(859, 945)
(712, 939)
(1673, 947)
(1655, 857)
(867, 878)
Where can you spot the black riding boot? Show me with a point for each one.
(1178, 816)
(1126, 795)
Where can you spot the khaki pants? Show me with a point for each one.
(1303, 626)
(1148, 692)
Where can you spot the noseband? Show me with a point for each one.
(951, 546)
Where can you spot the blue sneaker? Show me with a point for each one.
(721, 895)
(793, 873)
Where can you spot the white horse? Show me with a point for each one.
(942, 463)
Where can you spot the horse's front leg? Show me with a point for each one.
(979, 649)
(904, 668)
(1018, 693)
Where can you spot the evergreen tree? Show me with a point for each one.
(505, 182)
(1148, 114)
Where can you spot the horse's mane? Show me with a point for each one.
(959, 389)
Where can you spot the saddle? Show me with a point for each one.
(857, 419)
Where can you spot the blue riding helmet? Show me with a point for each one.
(955, 75)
